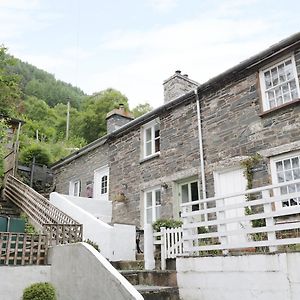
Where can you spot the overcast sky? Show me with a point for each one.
(134, 45)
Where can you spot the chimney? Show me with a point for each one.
(117, 118)
(178, 85)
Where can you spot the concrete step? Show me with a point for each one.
(151, 277)
(158, 292)
(129, 265)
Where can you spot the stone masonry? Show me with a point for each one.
(234, 128)
(82, 168)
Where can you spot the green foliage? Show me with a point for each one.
(37, 150)
(95, 245)
(40, 291)
(9, 88)
(3, 139)
(167, 223)
(92, 120)
(248, 165)
(141, 109)
(29, 228)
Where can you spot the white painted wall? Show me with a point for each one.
(101, 209)
(14, 279)
(80, 272)
(247, 277)
(116, 242)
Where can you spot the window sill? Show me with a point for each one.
(267, 112)
(157, 154)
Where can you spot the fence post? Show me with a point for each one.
(163, 248)
(186, 244)
(149, 247)
(269, 221)
(222, 227)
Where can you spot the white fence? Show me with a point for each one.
(261, 219)
(171, 243)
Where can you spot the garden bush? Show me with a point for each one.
(167, 223)
(40, 291)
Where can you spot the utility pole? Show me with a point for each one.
(68, 120)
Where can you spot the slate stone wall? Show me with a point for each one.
(179, 158)
(234, 129)
(81, 169)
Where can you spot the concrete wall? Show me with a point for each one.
(116, 242)
(15, 279)
(262, 277)
(101, 209)
(80, 272)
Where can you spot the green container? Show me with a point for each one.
(12, 224)
(3, 224)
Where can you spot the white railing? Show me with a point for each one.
(254, 220)
(171, 242)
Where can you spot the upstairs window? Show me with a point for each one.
(279, 84)
(151, 139)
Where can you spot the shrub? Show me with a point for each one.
(39, 291)
(95, 245)
(41, 154)
(167, 223)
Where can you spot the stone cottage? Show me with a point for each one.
(197, 144)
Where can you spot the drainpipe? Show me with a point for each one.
(203, 182)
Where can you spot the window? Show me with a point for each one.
(74, 188)
(151, 139)
(104, 182)
(152, 204)
(284, 169)
(279, 83)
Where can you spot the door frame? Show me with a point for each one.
(99, 170)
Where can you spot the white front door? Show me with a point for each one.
(101, 183)
(229, 182)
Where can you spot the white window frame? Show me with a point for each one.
(265, 102)
(154, 206)
(273, 161)
(74, 188)
(151, 125)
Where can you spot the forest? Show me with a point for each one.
(39, 99)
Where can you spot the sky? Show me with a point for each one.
(134, 45)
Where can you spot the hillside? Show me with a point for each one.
(43, 85)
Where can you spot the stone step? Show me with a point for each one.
(9, 209)
(151, 277)
(158, 292)
(128, 265)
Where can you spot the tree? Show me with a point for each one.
(92, 120)
(3, 136)
(9, 89)
(141, 109)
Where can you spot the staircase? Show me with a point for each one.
(7, 208)
(152, 284)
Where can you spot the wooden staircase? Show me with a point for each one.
(152, 284)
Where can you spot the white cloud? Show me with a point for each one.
(163, 5)
(203, 48)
